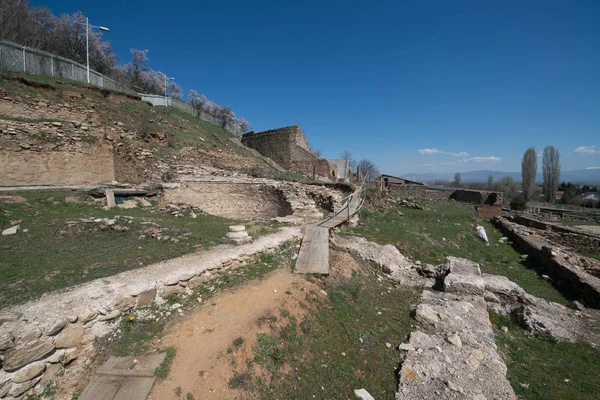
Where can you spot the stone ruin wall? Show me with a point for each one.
(86, 166)
(561, 264)
(274, 144)
(289, 148)
(581, 242)
(232, 200)
(40, 338)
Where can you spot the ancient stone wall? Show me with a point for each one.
(561, 264)
(578, 240)
(275, 144)
(86, 166)
(240, 201)
(289, 148)
(38, 339)
(408, 191)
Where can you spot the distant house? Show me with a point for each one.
(590, 197)
(559, 195)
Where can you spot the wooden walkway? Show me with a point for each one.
(314, 251)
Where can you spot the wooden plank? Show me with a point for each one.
(314, 252)
(118, 388)
(124, 378)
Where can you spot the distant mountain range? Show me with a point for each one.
(587, 176)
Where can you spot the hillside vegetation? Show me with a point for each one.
(149, 142)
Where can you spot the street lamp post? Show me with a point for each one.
(167, 79)
(87, 42)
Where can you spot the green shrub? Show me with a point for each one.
(518, 204)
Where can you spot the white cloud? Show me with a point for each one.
(479, 159)
(588, 150)
(474, 160)
(592, 168)
(436, 151)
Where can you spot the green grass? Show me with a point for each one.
(449, 230)
(333, 325)
(550, 369)
(52, 256)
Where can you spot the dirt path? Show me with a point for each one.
(206, 357)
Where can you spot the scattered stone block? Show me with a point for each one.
(362, 394)
(464, 284)
(11, 231)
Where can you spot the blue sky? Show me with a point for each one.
(411, 85)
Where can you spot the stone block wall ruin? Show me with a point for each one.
(289, 148)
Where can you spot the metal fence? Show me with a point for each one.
(19, 58)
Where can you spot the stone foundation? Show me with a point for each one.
(454, 356)
(561, 264)
(39, 338)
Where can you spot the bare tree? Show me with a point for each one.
(348, 157)
(368, 169)
(490, 182)
(457, 179)
(528, 172)
(551, 172)
(317, 152)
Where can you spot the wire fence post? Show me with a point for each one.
(52, 65)
(24, 61)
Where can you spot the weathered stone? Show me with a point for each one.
(72, 318)
(4, 389)
(237, 228)
(462, 266)
(57, 327)
(454, 387)
(52, 371)
(236, 242)
(29, 335)
(464, 284)
(146, 298)
(68, 356)
(10, 317)
(124, 303)
(56, 123)
(11, 231)
(362, 394)
(29, 372)
(236, 235)
(20, 356)
(17, 389)
(69, 337)
(171, 290)
(111, 315)
(7, 341)
(426, 314)
(454, 339)
(87, 315)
